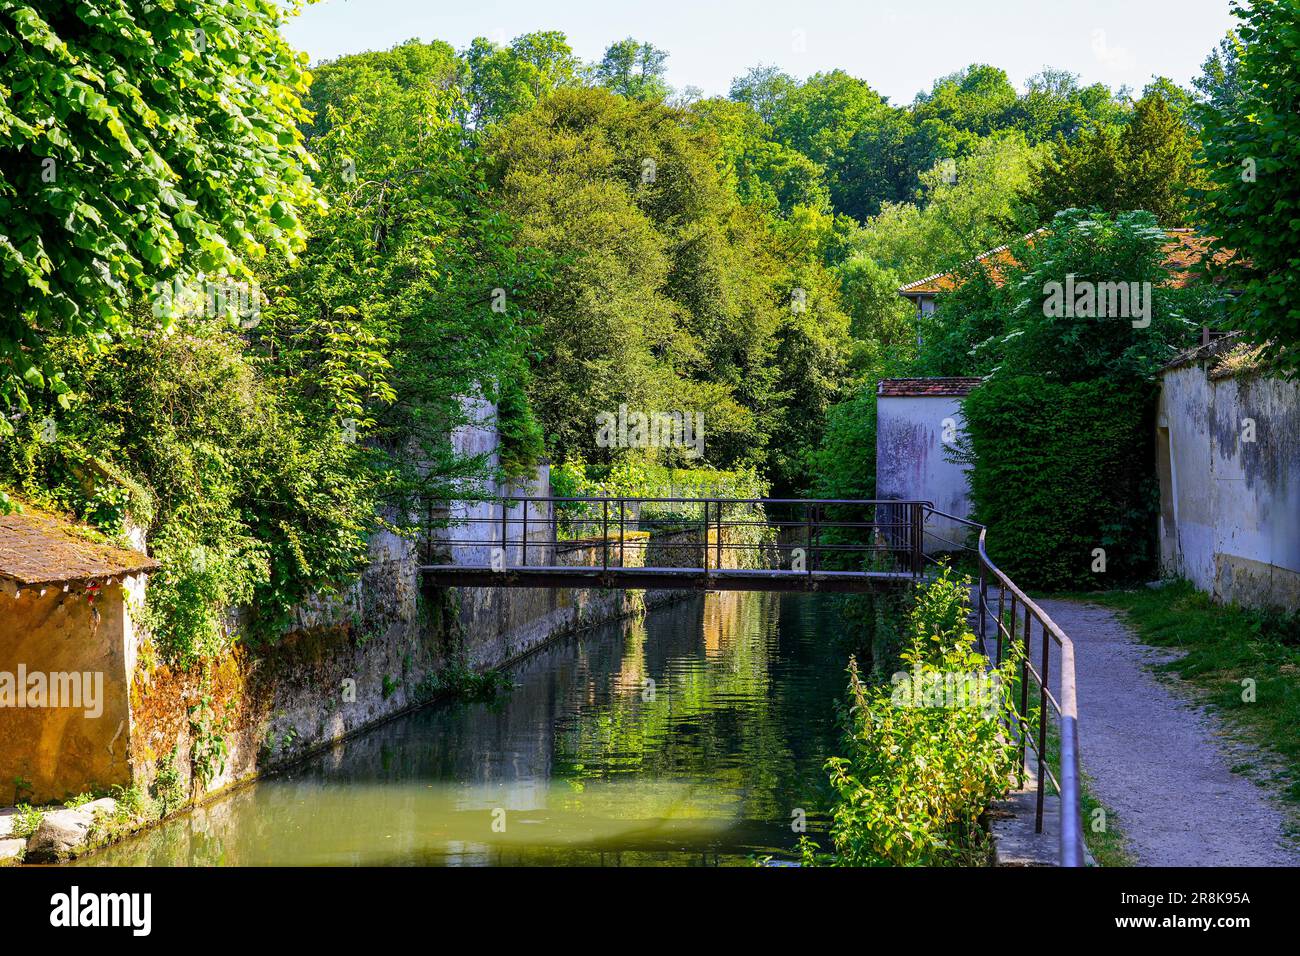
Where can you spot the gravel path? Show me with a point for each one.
(1159, 761)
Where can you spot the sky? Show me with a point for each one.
(898, 46)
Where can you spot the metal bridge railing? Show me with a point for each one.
(790, 534)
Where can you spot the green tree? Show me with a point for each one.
(407, 298)
(1159, 165)
(1148, 164)
(966, 207)
(503, 81)
(668, 292)
(764, 89)
(820, 118)
(406, 64)
(138, 144)
(1252, 151)
(1083, 174)
(977, 99)
(764, 171)
(883, 163)
(1054, 104)
(1217, 83)
(634, 69)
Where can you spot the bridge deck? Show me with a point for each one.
(689, 579)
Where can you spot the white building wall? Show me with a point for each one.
(913, 461)
(1235, 502)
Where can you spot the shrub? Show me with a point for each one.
(1061, 471)
(921, 770)
(27, 820)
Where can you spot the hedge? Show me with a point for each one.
(1061, 470)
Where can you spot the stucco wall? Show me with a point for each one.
(1234, 503)
(61, 751)
(912, 461)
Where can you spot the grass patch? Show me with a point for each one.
(1109, 847)
(1230, 653)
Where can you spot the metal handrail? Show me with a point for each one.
(1067, 708)
(905, 533)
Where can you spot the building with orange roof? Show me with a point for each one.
(1185, 254)
(68, 648)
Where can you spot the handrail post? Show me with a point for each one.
(808, 519)
(604, 533)
(1024, 694)
(983, 607)
(523, 535)
(622, 535)
(917, 539)
(1042, 732)
(505, 548)
(1002, 600)
(704, 544)
(718, 562)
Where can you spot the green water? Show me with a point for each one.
(584, 762)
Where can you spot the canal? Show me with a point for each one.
(695, 736)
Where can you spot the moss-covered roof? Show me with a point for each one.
(39, 549)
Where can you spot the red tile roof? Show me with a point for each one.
(1184, 253)
(926, 387)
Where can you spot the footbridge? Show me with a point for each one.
(702, 544)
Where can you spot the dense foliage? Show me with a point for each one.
(1061, 470)
(1252, 147)
(140, 143)
(1060, 433)
(1148, 164)
(928, 752)
(251, 501)
(666, 292)
(407, 296)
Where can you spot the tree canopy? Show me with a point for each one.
(138, 145)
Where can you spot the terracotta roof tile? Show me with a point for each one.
(1184, 253)
(37, 549)
(926, 387)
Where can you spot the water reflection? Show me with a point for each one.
(687, 738)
